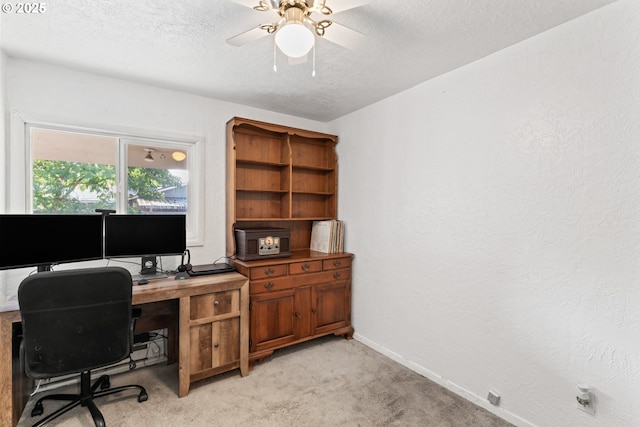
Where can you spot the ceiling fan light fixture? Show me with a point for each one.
(178, 156)
(294, 40)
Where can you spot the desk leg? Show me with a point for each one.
(244, 329)
(184, 358)
(6, 381)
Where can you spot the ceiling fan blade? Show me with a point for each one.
(247, 37)
(336, 6)
(247, 3)
(343, 36)
(270, 4)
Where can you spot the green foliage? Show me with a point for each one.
(54, 183)
(146, 183)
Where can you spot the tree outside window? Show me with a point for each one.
(75, 172)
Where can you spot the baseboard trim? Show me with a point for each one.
(440, 380)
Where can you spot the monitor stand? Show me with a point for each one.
(149, 265)
(149, 270)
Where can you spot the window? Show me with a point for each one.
(77, 171)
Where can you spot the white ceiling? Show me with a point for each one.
(180, 44)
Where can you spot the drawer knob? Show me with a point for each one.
(216, 345)
(269, 271)
(298, 315)
(269, 286)
(216, 302)
(337, 263)
(306, 267)
(314, 310)
(336, 275)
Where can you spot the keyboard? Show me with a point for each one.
(203, 269)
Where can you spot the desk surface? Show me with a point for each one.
(161, 289)
(164, 289)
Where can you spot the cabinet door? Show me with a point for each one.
(331, 306)
(215, 340)
(272, 319)
(214, 344)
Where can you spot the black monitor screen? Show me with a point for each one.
(144, 235)
(44, 240)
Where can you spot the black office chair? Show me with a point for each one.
(74, 321)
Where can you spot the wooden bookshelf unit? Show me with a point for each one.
(279, 176)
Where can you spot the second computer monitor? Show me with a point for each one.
(144, 235)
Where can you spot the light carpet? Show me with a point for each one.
(325, 382)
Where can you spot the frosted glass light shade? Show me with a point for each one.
(178, 156)
(294, 40)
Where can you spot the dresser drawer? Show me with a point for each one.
(305, 267)
(210, 305)
(268, 285)
(268, 271)
(332, 264)
(321, 277)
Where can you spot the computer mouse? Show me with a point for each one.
(143, 282)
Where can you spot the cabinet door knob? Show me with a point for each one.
(298, 315)
(216, 345)
(306, 267)
(314, 310)
(337, 263)
(336, 275)
(269, 271)
(269, 286)
(216, 302)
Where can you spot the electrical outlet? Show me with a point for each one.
(494, 398)
(586, 400)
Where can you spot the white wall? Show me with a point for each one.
(3, 165)
(76, 97)
(3, 122)
(494, 213)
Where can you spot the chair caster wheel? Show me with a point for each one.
(142, 397)
(37, 410)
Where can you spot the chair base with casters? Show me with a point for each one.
(88, 393)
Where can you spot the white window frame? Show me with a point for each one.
(19, 163)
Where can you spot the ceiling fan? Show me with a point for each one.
(296, 23)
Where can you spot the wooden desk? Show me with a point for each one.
(207, 304)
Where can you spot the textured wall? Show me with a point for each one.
(3, 121)
(3, 168)
(495, 216)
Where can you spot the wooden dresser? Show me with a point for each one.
(296, 299)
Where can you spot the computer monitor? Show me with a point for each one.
(144, 235)
(43, 240)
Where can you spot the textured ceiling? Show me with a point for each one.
(181, 45)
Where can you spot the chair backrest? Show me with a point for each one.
(75, 320)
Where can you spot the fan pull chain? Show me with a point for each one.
(275, 68)
(313, 73)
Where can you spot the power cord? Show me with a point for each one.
(227, 257)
